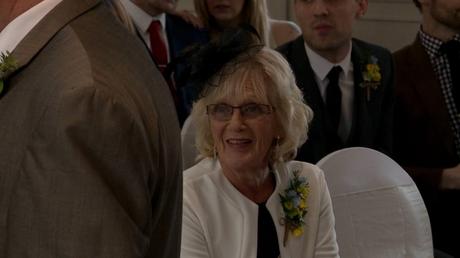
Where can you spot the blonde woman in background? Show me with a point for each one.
(217, 15)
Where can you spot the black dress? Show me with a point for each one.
(267, 239)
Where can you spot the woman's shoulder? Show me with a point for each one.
(311, 171)
(199, 171)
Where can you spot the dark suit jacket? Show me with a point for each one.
(372, 119)
(90, 160)
(181, 37)
(424, 140)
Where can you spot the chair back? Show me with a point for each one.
(378, 209)
(190, 154)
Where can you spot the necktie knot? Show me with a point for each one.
(155, 27)
(334, 73)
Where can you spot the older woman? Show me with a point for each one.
(247, 198)
(219, 15)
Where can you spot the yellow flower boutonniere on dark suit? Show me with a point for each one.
(294, 202)
(371, 76)
(7, 66)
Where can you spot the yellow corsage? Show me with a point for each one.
(371, 76)
(294, 203)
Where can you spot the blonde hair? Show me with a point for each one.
(272, 82)
(254, 13)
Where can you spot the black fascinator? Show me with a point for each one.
(219, 57)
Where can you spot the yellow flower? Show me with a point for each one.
(288, 205)
(297, 231)
(302, 204)
(376, 77)
(372, 68)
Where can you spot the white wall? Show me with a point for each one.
(390, 23)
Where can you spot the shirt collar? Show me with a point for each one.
(141, 19)
(321, 66)
(17, 29)
(431, 44)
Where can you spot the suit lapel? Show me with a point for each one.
(307, 83)
(305, 76)
(362, 105)
(322, 138)
(41, 34)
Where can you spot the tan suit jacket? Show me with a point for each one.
(89, 144)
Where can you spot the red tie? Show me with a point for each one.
(160, 54)
(158, 45)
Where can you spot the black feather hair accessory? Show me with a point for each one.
(219, 57)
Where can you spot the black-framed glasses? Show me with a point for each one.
(224, 112)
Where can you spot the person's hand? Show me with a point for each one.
(451, 178)
(189, 17)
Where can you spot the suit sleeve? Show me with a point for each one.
(87, 181)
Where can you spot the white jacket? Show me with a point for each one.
(219, 222)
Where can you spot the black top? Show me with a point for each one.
(267, 239)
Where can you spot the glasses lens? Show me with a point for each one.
(224, 112)
(252, 110)
(220, 111)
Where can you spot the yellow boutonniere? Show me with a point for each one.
(7, 66)
(371, 76)
(294, 203)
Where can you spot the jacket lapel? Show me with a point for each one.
(307, 83)
(41, 34)
(306, 77)
(362, 105)
(322, 138)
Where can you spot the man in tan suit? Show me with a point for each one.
(89, 145)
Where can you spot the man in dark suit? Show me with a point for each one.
(427, 121)
(90, 160)
(175, 33)
(347, 82)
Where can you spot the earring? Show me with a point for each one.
(214, 152)
(276, 156)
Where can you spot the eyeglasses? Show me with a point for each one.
(224, 112)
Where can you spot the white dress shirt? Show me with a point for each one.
(321, 67)
(17, 29)
(142, 21)
(220, 222)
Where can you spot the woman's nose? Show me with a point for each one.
(237, 119)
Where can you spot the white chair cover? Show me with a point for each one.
(190, 154)
(378, 209)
